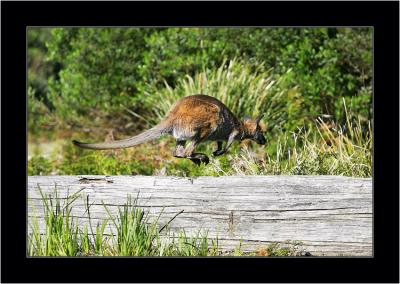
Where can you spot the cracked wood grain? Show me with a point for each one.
(330, 215)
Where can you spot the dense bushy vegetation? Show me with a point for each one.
(94, 71)
(313, 84)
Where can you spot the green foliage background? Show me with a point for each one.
(83, 79)
(92, 71)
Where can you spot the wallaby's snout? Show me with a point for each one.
(253, 131)
(261, 139)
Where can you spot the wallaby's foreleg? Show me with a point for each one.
(227, 145)
(219, 149)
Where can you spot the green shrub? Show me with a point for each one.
(39, 165)
(39, 69)
(106, 70)
(77, 161)
(40, 117)
(100, 69)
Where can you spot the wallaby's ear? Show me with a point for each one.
(259, 118)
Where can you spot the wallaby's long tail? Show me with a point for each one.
(150, 134)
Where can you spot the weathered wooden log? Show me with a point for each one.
(329, 215)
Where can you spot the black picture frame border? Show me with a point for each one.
(382, 16)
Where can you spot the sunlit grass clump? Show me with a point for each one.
(133, 233)
(327, 149)
(244, 88)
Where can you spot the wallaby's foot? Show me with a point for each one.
(179, 151)
(205, 160)
(196, 161)
(199, 158)
(218, 152)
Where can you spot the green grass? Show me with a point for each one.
(133, 234)
(137, 235)
(61, 235)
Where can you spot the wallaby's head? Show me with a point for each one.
(252, 130)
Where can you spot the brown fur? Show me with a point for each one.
(196, 119)
(251, 127)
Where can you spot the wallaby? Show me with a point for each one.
(196, 119)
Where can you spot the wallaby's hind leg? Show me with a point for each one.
(199, 158)
(196, 158)
(182, 152)
(179, 151)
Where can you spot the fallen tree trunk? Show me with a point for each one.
(329, 215)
